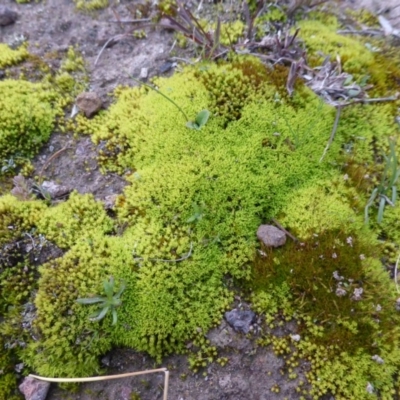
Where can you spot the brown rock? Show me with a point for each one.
(34, 389)
(271, 236)
(89, 103)
(7, 16)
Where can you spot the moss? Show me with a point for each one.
(356, 55)
(91, 5)
(69, 342)
(231, 32)
(17, 217)
(190, 213)
(79, 216)
(323, 206)
(10, 56)
(339, 332)
(27, 118)
(8, 379)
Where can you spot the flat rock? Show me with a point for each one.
(7, 16)
(271, 236)
(34, 389)
(55, 190)
(89, 103)
(240, 321)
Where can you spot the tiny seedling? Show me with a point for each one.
(390, 175)
(106, 303)
(198, 213)
(8, 165)
(41, 191)
(201, 118)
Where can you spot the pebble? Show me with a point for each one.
(240, 321)
(89, 102)
(34, 389)
(7, 16)
(144, 73)
(271, 236)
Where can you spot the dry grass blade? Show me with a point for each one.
(295, 71)
(251, 18)
(182, 20)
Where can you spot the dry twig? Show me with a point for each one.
(109, 377)
(335, 125)
(46, 164)
(294, 238)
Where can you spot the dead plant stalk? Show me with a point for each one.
(109, 377)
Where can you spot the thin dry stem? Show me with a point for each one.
(294, 238)
(52, 158)
(109, 377)
(335, 125)
(373, 100)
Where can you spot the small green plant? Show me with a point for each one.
(201, 118)
(107, 303)
(41, 191)
(198, 213)
(388, 182)
(8, 165)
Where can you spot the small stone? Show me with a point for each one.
(340, 292)
(144, 73)
(89, 103)
(106, 360)
(369, 388)
(295, 338)
(240, 321)
(55, 190)
(19, 367)
(109, 201)
(378, 359)
(34, 389)
(7, 16)
(398, 304)
(271, 236)
(168, 65)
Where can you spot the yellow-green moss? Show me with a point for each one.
(323, 206)
(357, 56)
(231, 32)
(79, 217)
(69, 342)
(189, 216)
(91, 5)
(10, 56)
(27, 118)
(17, 217)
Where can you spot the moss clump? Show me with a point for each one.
(10, 56)
(80, 216)
(231, 32)
(17, 217)
(91, 5)
(8, 380)
(357, 56)
(190, 213)
(69, 342)
(27, 118)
